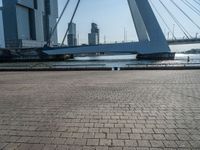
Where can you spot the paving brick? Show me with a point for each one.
(70, 141)
(115, 130)
(115, 148)
(112, 136)
(135, 136)
(173, 131)
(183, 144)
(156, 143)
(93, 142)
(137, 130)
(148, 131)
(170, 144)
(126, 130)
(129, 148)
(105, 142)
(23, 146)
(132, 143)
(50, 147)
(195, 144)
(2, 145)
(102, 148)
(88, 135)
(36, 146)
(183, 137)
(104, 130)
(143, 148)
(171, 137)
(59, 141)
(80, 142)
(118, 143)
(100, 135)
(80, 130)
(159, 136)
(144, 143)
(94, 130)
(100, 110)
(147, 136)
(64, 147)
(159, 131)
(123, 136)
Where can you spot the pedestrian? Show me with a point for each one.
(188, 59)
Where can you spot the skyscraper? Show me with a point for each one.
(28, 23)
(93, 37)
(71, 37)
(2, 41)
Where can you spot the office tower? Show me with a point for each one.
(28, 23)
(93, 37)
(71, 37)
(2, 41)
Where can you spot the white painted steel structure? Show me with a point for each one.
(150, 35)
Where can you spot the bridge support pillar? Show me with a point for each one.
(149, 30)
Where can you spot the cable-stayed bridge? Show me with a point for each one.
(152, 42)
(150, 25)
(184, 41)
(187, 9)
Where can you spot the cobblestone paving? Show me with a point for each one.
(147, 110)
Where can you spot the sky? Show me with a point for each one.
(114, 19)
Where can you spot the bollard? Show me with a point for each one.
(116, 68)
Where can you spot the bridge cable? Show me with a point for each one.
(194, 9)
(58, 21)
(182, 28)
(162, 18)
(186, 15)
(72, 18)
(197, 2)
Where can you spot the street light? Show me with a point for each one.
(197, 35)
(169, 35)
(173, 32)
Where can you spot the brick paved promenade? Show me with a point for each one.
(100, 110)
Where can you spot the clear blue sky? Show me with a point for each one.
(112, 16)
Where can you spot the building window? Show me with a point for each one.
(47, 7)
(1, 4)
(23, 22)
(35, 4)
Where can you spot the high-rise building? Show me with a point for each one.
(2, 41)
(93, 37)
(28, 23)
(71, 37)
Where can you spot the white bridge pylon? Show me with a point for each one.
(149, 32)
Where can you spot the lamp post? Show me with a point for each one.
(197, 35)
(168, 34)
(173, 32)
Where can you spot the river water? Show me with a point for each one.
(119, 61)
(114, 61)
(124, 60)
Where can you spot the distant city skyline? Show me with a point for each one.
(114, 20)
